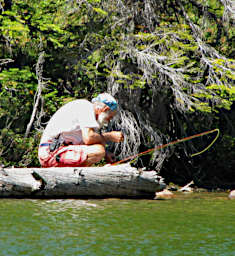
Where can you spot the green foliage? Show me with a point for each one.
(16, 96)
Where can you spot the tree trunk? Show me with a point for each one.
(113, 181)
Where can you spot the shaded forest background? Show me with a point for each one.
(169, 63)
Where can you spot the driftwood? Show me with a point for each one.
(113, 181)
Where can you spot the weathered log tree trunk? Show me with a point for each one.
(113, 181)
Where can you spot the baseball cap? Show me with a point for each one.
(107, 99)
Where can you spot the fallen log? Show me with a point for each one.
(111, 181)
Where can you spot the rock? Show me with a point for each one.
(232, 195)
(201, 190)
(165, 194)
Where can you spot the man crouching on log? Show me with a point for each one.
(70, 139)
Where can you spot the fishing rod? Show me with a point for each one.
(173, 143)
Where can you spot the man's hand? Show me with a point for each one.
(118, 136)
(110, 157)
(115, 136)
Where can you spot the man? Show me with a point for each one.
(70, 138)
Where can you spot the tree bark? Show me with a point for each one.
(121, 181)
(38, 95)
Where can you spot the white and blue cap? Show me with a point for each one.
(107, 99)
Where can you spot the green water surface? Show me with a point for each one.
(195, 224)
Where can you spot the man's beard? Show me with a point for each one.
(102, 119)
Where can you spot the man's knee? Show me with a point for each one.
(95, 153)
(98, 150)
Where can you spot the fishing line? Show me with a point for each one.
(174, 143)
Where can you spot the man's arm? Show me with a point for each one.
(91, 137)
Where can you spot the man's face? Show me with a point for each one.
(104, 118)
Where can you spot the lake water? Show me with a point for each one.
(192, 224)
